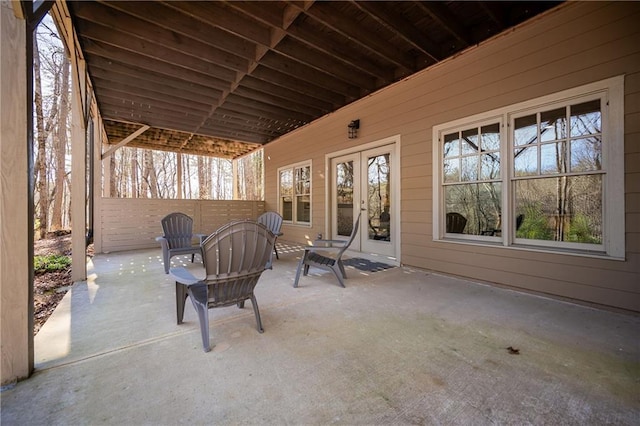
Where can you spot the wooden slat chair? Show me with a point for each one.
(177, 238)
(234, 258)
(273, 222)
(456, 223)
(327, 254)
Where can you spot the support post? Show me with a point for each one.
(16, 216)
(78, 183)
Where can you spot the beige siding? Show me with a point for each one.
(128, 224)
(575, 44)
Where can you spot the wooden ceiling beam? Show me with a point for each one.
(154, 112)
(218, 14)
(115, 96)
(134, 74)
(125, 141)
(125, 30)
(322, 62)
(274, 100)
(165, 16)
(441, 14)
(341, 51)
(359, 35)
(324, 79)
(146, 64)
(141, 85)
(387, 16)
(127, 91)
(299, 85)
(93, 31)
(286, 93)
(265, 110)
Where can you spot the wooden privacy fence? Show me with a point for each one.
(134, 223)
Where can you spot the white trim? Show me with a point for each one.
(396, 142)
(613, 245)
(292, 167)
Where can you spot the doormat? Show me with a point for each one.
(366, 264)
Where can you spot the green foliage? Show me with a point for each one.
(580, 231)
(535, 225)
(50, 263)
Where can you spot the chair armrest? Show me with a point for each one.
(327, 244)
(201, 237)
(164, 243)
(183, 276)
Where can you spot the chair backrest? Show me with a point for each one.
(178, 230)
(272, 220)
(456, 223)
(352, 236)
(237, 248)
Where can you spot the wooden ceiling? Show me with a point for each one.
(222, 78)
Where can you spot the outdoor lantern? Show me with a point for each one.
(353, 129)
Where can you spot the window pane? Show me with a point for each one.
(526, 161)
(553, 158)
(526, 130)
(470, 168)
(452, 170)
(560, 209)
(469, 141)
(303, 209)
(302, 180)
(553, 125)
(287, 208)
(490, 137)
(478, 203)
(451, 145)
(586, 154)
(286, 183)
(586, 118)
(490, 167)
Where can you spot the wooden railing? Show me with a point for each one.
(134, 223)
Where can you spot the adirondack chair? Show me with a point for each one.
(273, 222)
(326, 254)
(177, 238)
(455, 223)
(234, 258)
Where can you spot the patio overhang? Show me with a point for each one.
(224, 78)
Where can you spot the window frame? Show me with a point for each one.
(294, 214)
(611, 93)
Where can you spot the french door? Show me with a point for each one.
(362, 183)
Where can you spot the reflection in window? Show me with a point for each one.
(295, 193)
(471, 175)
(568, 206)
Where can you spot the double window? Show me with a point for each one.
(294, 193)
(544, 173)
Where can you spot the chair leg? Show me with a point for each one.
(203, 317)
(341, 266)
(254, 302)
(241, 305)
(275, 249)
(181, 299)
(337, 274)
(167, 261)
(193, 256)
(300, 266)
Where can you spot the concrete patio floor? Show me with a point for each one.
(399, 346)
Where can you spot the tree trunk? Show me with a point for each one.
(40, 167)
(60, 148)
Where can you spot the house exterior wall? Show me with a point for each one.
(572, 45)
(134, 223)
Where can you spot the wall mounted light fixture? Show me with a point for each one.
(353, 129)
